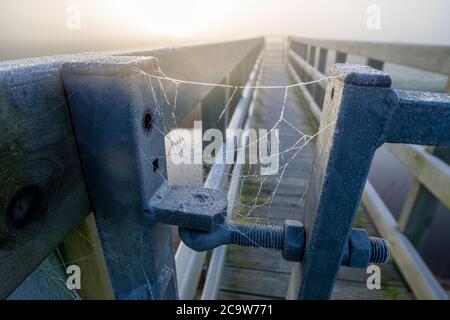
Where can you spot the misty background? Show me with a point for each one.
(43, 27)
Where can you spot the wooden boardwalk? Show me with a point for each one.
(252, 273)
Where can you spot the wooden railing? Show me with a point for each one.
(307, 61)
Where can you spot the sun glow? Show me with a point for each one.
(169, 17)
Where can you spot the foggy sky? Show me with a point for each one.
(39, 26)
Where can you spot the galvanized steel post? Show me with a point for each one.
(360, 113)
(118, 127)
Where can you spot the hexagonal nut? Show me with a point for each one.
(359, 249)
(294, 240)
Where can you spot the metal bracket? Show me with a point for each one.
(188, 207)
(118, 126)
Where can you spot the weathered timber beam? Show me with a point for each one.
(424, 57)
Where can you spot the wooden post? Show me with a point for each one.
(82, 247)
(376, 64)
(341, 57)
(42, 191)
(323, 52)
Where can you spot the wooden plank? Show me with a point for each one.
(417, 213)
(266, 189)
(255, 282)
(231, 295)
(413, 268)
(431, 171)
(351, 290)
(438, 57)
(42, 192)
(257, 259)
(389, 276)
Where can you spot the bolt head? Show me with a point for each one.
(359, 249)
(294, 240)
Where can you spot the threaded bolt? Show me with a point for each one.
(380, 250)
(257, 235)
(289, 239)
(273, 237)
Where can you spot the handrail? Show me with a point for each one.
(425, 57)
(209, 63)
(415, 271)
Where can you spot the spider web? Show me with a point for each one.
(256, 192)
(165, 90)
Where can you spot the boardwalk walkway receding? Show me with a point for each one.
(252, 273)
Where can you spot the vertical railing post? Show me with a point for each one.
(312, 55)
(376, 64)
(350, 132)
(341, 57)
(322, 60)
